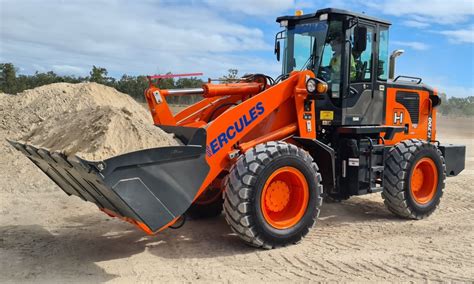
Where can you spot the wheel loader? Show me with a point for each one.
(267, 151)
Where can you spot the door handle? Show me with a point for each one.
(353, 91)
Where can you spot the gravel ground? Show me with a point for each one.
(46, 236)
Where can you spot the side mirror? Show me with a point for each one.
(277, 50)
(360, 39)
(279, 36)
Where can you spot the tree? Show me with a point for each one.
(192, 82)
(166, 83)
(231, 76)
(134, 86)
(8, 78)
(40, 79)
(444, 107)
(183, 83)
(12, 83)
(98, 75)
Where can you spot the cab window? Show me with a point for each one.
(304, 40)
(331, 59)
(361, 63)
(303, 47)
(382, 72)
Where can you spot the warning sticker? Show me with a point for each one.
(326, 115)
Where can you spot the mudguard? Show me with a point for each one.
(152, 187)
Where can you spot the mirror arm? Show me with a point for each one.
(353, 22)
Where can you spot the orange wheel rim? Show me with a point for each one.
(424, 181)
(284, 198)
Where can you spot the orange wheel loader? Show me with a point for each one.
(267, 151)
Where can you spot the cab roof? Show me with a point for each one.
(332, 11)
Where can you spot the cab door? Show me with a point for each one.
(359, 103)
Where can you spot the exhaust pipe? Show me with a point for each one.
(395, 54)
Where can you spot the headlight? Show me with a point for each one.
(311, 85)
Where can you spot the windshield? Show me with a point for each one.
(303, 46)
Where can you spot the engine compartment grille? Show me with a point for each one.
(411, 101)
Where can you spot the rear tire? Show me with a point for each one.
(273, 195)
(415, 172)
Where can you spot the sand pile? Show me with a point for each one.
(97, 133)
(87, 119)
(24, 111)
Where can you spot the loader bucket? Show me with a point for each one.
(150, 187)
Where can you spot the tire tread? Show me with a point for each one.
(239, 187)
(396, 173)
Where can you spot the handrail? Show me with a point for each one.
(409, 77)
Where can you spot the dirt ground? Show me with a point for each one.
(46, 236)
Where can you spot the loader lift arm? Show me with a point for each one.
(233, 131)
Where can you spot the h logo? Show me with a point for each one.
(398, 117)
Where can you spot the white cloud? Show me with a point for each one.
(252, 7)
(434, 11)
(124, 36)
(37, 67)
(456, 91)
(460, 35)
(450, 87)
(142, 37)
(69, 70)
(424, 13)
(412, 44)
(268, 9)
(415, 24)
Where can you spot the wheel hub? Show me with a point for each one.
(278, 196)
(417, 179)
(284, 198)
(424, 181)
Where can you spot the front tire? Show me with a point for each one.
(273, 195)
(415, 173)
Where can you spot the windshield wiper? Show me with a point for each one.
(310, 63)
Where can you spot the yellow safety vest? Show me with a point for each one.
(335, 65)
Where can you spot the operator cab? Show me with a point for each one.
(359, 112)
(322, 42)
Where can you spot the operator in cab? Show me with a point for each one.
(335, 64)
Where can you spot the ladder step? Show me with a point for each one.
(375, 189)
(377, 168)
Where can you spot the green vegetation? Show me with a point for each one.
(456, 106)
(232, 75)
(11, 83)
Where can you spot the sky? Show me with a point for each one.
(212, 36)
